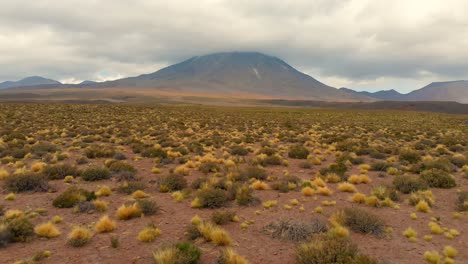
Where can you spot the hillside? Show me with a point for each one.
(28, 81)
(246, 74)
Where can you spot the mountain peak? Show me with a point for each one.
(28, 81)
(246, 74)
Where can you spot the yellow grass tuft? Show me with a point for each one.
(10, 197)
(178, 196)
(13, 213)
(269, 204)
(231, 257)
(100, 205)
(318, 210)
(318, 182)
(450, 252)
(220, 237)
(259, 185)
(435, 228)
(125, 212)
(324, 191)
(307, 191)
(357, 179)
(168, 255)
(103, 191)
(358, 198)
(432, 257)
(38, 166)
(57, 219)
(105, 225)
(410, 232)
(196, 220)
(372, 201)
(149, 234)
(47, 230)
(339, 231)
(139, 194)
(423, 206)
(413, 216)
(347, 187)
(3, 174)
(294, 202)
(79, 236)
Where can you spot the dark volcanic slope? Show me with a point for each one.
(456, 91)
(238, 73)
(28, 81)
(388, 95)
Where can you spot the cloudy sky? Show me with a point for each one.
(362, 44)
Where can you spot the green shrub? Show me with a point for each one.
(298, 152)
(188, 253)
(462, 201)
(59, 171)
(212, 198)
(409, 156)
(409, 184)
(362, 221)
(244, 196)
(438, 178)
(326, 250)
(121, 166)
(147, 206)
(95, 174)
(238, 150)
(72, 196)
(42, 148)
(254, 172)
(380, 166)
(4, 235)
(336, 168)
(151, 152)
(180, 253)
(208, 167)
(20, 229)
(97, 151)
(295, 230)
(222, 217)
(26, 182)
(131, 186)
(172, 182)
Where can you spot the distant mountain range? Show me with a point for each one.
(28, 81)
(247, 75)
(455, 91)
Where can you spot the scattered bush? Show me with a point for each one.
(47, 230)
(26, 182)
(298, 152)
(20, 229)
(172, 182)
(95, 151)
(95, 174)
(72, 196)
(79, 237)
(60, 171)
(223, 217)
(127, 212)
(409, 184)
(438, 178)
(325, 250)
(105, 225)
(462, 201)
(229, 256)
(254, 172)
(131, 187)
(212, 198)
(294, 230)
(148, 207)
(180, 253)
(362, 221)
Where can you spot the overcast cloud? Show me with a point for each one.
(362, 44)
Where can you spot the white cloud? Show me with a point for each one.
(369, 44)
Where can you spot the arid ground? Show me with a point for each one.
(272, 185)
